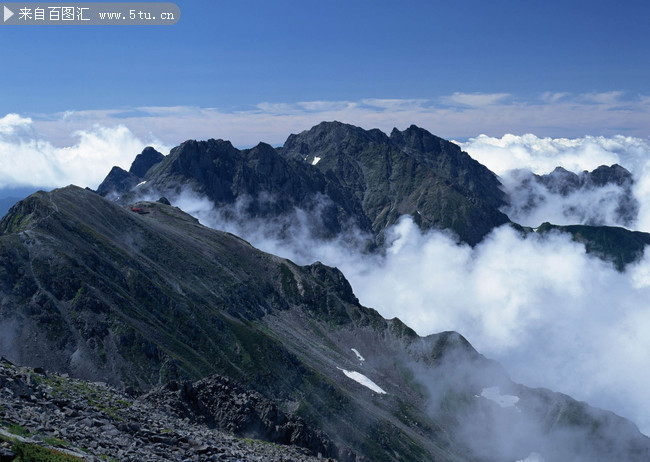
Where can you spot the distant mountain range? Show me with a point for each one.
(139, 294)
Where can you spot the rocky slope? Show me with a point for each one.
(144, 296)
(79, 420)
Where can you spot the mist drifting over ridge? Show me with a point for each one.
(553, 315)
(550, 313)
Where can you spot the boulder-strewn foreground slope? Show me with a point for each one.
(46, 416)
(145, 295)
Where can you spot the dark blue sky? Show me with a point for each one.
(236, 54)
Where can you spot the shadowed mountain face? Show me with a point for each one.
(144, 161)
(146, 296)
(411, 172)
(350, 176)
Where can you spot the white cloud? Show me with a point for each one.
(531, 203)
(28, 159)
(542, 155)
(11, 122)
(606, 98)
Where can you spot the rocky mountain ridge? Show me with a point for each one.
(351, 177)
(144, 295)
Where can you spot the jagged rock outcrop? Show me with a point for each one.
(221, 403)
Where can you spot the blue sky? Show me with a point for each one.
(235, 55)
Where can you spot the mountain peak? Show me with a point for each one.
(450, 162)
(615, 174)
(118, 180)
(144, 161)
(332, 136)
(419, 139)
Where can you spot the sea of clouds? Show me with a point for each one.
(554, 316)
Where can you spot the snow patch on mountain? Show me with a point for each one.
(363, 380)
(359, 357)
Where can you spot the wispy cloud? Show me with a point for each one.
(41, 137)
(475, 99)
(606, 98)
(460, 116)
(396, 104)
(553, 97)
